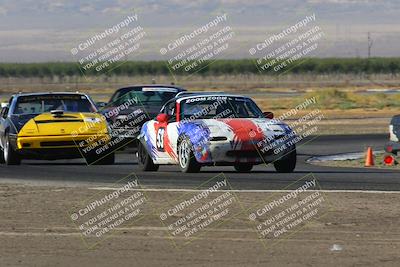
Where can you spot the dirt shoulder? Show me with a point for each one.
(354, 228)
(357, 121)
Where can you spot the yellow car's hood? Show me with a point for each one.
(69, 123)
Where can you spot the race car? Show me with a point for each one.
(53, 126)
(392, 147)
(195, 130)
(130, 107)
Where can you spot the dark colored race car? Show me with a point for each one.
(130, 107)
(53, 126)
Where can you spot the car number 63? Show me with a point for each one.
(160, 139)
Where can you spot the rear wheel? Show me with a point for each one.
(145, 161)
(2, 156)
(243, 167)
(287, 163)
(187, 160)
(10, 156)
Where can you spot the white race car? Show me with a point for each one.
(208, 129)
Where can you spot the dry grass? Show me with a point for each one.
(334, 99)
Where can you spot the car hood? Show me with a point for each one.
(70, 123)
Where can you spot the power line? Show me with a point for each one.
(370, 43)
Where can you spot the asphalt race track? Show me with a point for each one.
(76, 173)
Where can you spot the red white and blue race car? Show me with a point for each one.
(208, 129)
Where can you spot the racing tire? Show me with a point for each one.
(2, 161)
(9, 155)
(187, 160)
(243, 167)
(145, 161)
(287, 163)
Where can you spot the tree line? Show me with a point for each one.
(218, 67)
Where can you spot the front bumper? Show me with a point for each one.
(60, 141)
(50, 153)
(222, 152)
(60, 146)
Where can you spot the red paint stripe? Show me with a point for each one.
(242, 128)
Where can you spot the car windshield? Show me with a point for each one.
(219, 107)
(37, 104)
(146, 96)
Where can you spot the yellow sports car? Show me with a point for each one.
(53, 126)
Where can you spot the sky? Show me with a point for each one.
(47, 30)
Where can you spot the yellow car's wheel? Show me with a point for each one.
(10, 156)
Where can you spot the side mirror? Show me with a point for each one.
(268, 115)
(162, 118)
(4, 105)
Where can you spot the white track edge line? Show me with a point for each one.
(247, 191)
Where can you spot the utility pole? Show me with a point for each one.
(370, 43)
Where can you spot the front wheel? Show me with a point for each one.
(243, 167)
(145, 161)
(10, 156)
(2, 155)
(187, 160)
(287, 163)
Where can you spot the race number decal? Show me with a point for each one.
(160, 139)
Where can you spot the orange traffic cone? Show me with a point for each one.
(369, 158)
